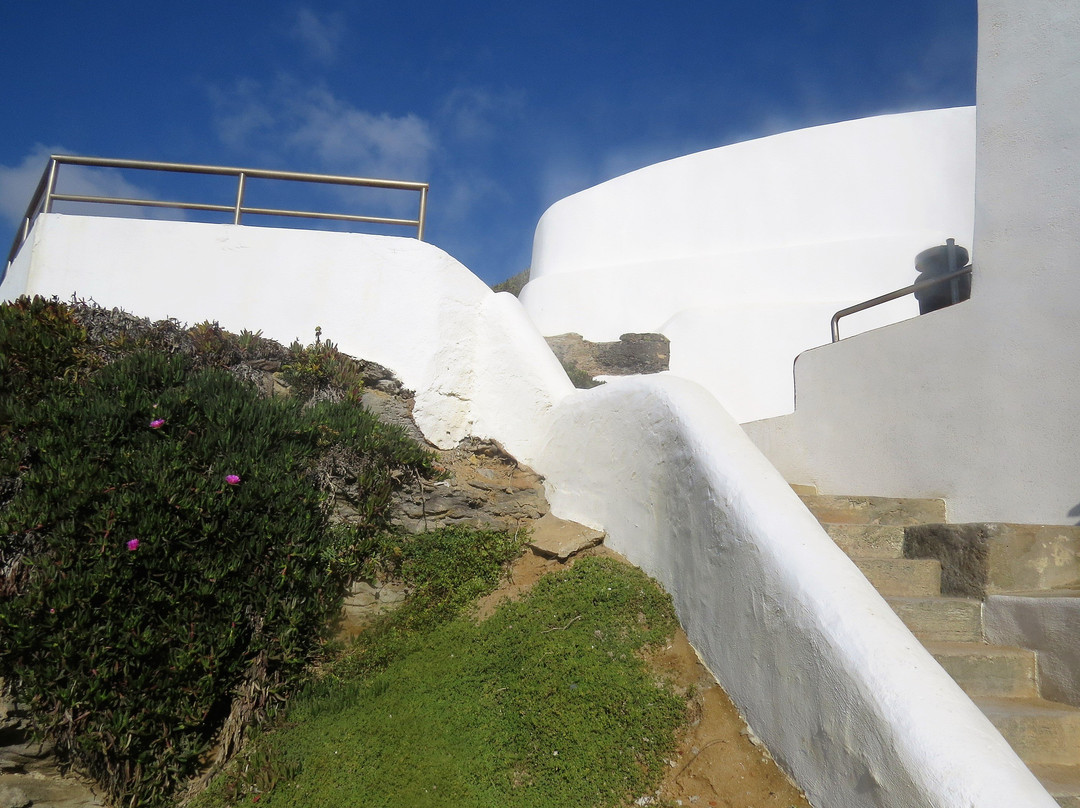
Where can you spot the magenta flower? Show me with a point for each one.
(157, 423)
(232, 479)
(133, 545)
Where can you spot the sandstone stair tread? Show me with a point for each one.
(988, 670)
(1063, 783)
(1040, 731)
(902, 577)
(867, 541)
(940, 618)
(1001, 680)
(875, 510)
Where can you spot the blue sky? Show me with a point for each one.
(503, 107)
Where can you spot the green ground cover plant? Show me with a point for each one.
(545, 704)
(167, 564)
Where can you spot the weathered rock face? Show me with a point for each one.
(633, 353)
(484, 487)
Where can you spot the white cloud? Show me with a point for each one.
(293, 124)
(18, 182)
(472, 114)
(563, 175)
(320, 36)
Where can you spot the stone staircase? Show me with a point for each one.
(1002, 681)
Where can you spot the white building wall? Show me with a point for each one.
(477, 366)
(756, 245)
(845, 698)
(976, 403)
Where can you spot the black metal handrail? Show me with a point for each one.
(45, 194)
(877, 301)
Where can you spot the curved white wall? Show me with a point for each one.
(772, 236)
(975, 403)
(843, 695)
(477, 366)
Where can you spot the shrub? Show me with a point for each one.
(312, 368)
(514, 284)
(165, 561)
(42, 344)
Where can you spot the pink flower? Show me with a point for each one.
(133, 545)
(157, 423)
(232, 479)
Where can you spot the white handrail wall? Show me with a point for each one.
(847, 700)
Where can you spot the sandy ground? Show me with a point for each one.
(719, 763)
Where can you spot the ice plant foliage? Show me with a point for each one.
(137, 695)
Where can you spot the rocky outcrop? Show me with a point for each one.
(633, 353)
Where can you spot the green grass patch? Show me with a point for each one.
(547, 703)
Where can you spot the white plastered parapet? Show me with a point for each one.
(843, 695)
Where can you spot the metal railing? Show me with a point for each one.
(46, 194)
(951, 277)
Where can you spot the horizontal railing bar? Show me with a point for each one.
(45, 194)
(259, 173)
(877, 301)
(300, 214)
(142, 203)
(345, 217)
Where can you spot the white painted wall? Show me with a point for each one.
(975, 403)
(843, 695)
(477, 366)
(824, 671)
(754, 246)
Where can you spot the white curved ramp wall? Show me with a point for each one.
(764, 240)
(845, 698)
(476, 364)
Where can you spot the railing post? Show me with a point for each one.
(423, 214)
(239, 198)
(50, 186)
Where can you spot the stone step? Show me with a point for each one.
(553, 537)
(988, 670)
(802, 489)
(1063, 783)
(902, 577)
(994, 557)
(874, 510)
(1041, 732)
(941, 619)
(868, 541)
